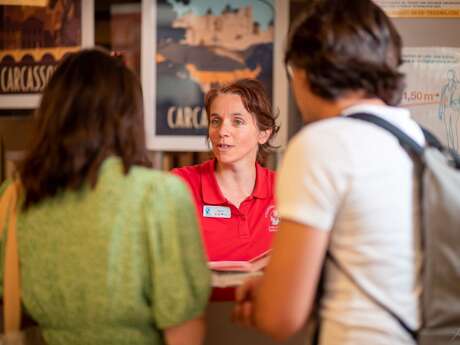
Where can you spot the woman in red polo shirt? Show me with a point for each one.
(233, 192)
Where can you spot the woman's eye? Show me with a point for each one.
(238, 122)
(215, 121)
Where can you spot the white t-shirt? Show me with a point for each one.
(354, 179)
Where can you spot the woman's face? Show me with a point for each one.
(233, 131)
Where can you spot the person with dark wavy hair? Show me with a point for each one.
(233, 192)
(342, 56)
(345, 187)
(110, 251)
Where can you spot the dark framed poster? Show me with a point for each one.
(35, 36)
(188, 47)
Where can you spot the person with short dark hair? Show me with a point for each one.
(345, 187)
(110, 251)
(233, 192)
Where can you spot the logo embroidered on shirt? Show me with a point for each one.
(272, 213)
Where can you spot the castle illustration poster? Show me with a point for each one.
(201, 44)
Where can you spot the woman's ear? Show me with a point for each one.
(264, 136)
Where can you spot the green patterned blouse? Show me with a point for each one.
(114, 264)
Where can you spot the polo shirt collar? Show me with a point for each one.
(262, 189)
(211, 191)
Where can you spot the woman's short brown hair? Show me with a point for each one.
(256, 102)
(347, 46)
(91, 109)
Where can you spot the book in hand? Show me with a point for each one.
(234, 273)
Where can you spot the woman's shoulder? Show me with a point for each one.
(113, 171)
(192, 173)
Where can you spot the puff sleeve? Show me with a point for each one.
(180, 278)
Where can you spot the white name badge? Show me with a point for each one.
(216, 211)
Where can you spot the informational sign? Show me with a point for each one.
(33, 41)
(420, 8)
(190, 47)
(433, 90)
(25, 2)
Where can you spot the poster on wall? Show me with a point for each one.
(190, 47)
(432, 92)
(33, 39)
(420, 8)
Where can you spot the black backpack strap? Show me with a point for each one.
(406, 141)
(411, 146)
(451, 154)
(431, 139)
(342, 269)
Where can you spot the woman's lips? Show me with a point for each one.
(224, 147)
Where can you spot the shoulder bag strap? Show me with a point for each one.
(342, 269)
(432, 140)
(406, 141)
(411, 146)
(11, 279)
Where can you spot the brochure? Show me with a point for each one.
(233, 273)
(254, 264)
(222, 279)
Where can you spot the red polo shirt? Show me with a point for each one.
(232, 233)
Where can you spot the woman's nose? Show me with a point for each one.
(224, 129)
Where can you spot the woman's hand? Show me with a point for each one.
(280, 302)
(244, 298)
